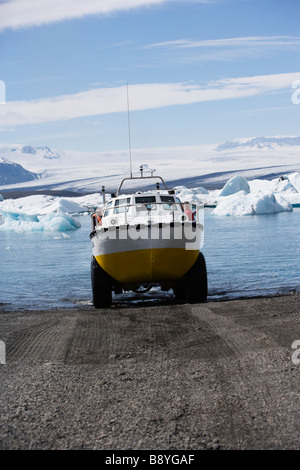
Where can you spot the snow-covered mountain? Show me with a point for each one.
(22, 153)
(40, 152)
(199, 165)
(267, 143)
(12, 173)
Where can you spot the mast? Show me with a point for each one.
(129, 138)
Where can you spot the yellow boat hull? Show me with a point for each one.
(153, 254)
(148, 265)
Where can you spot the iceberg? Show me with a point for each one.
(188, 195)
(42, 204)
(293, 198)
(44, 213)
(294, 178)
(54, 222)
(234, 185)
(200, 190)
(192, 195)
(283, 184)
(243, 203)
(59, 222)
(66, 206)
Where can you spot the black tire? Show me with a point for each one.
(192, 287)
(180, 291)
(197, 281)
(101, 286)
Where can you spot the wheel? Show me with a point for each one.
(192, 287)
(101, 286)
(180, 290)
(197, 281)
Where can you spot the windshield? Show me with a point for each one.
(170, 203)
(145, 202)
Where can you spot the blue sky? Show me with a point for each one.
(199, 72)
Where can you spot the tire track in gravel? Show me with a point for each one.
(238, 339)
(143, 333)
(44, 342)
(94, 339)
(155, 332)
(245, 396)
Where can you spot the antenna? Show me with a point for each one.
(129, 139)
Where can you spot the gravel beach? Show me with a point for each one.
(219, 375)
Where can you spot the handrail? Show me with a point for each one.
(149, 212)
(141, 178)
(157, 203)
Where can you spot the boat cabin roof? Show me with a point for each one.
(143, 197)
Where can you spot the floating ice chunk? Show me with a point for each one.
(42, 205)
(242, 203)
(19, 216)
(286, 184)
(90, 201)
(200, 190)
(188, 195)
(197, 195)
(234, 185)
(283, 184)
(1, 197)
(292, 198)
(261, 185)
(66, 206)
(178, 189)
(295, 180)
(271, 203)
(55, 221)
(59, 222)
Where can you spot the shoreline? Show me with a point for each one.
(139, 301)
(132, 302)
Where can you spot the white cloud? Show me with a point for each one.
(224, 49)
(142, 96)
(24, 13)
(247, 41)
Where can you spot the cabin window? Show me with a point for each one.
(169, 203)
(180, 203)
(120, 205)
(167, 198)
(107, 212)
(145, 202)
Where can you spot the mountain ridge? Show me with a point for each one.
(12, 173)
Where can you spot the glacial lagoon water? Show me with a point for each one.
(245, 256)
